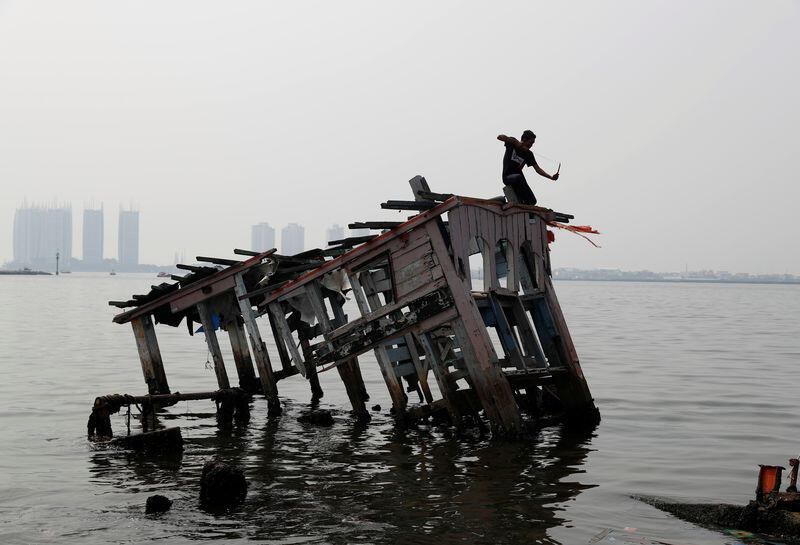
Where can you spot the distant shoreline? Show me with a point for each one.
(26, 273)
(682, 281)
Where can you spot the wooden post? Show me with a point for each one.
(389, 376)
(265, 374)
(150, 355)
(279, 319)
(484, 370)
(213, 344)
(241, 356)
(286, 360)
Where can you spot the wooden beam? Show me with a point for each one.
(213, 344)
(263, 364)
(150, 355)
(241, 356)
(279, 319)
(218, 260)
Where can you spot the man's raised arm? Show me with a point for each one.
(509, 140)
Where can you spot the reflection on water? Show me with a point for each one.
(367, 483)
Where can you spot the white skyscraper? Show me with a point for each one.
(293, 239)
(39, 233)
(128, 238)
(93, 236)
(262, 237)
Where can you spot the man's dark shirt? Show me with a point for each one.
(515, 158)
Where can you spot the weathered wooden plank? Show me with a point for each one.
(399, 353)
(353, 383)
(418, 184)
(149, 355)
(241, 356)
(405, 257)
(266, 376)
(213, 344)
(279, 319)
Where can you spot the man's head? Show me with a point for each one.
(528, 138)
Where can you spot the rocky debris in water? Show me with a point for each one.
(166, 440)
(318, 417)
(157, 504)
(221, 485)
(750, 517)
(376, 408)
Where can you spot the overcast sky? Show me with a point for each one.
(676, 122)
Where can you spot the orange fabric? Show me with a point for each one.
(580, 230)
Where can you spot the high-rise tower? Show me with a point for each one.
(128, 238)
(293, 239)
(93, 236)
(262, 237)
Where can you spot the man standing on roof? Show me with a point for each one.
(518, 154)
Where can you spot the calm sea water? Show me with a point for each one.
(696, 384)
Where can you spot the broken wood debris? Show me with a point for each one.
(419, 313)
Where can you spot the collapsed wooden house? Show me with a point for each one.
(418, 312)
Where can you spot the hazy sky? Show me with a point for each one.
(677, 122)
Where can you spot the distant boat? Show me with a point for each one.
(112, 273)
(163, 274)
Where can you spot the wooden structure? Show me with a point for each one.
(418, 312)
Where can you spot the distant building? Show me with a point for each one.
(39, 233)
(334, 232)
(262, 237)
(293, 239)
(359, 232)
(128, 238)
(93, 236)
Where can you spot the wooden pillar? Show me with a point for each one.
(150, 355)
(263, 364)
(354, 385)
(286, 360)
(241, 356)
(213, 344)
(285, 336)
(487, 377)
(389, 376)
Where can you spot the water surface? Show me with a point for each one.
(696, 384)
